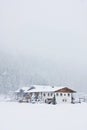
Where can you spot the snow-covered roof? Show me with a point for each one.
(23, 88)
(40, 88)
(43, 88)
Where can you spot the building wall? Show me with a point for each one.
(47, 95)
(60, 97)
(63, 97)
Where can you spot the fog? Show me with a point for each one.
(43, 42)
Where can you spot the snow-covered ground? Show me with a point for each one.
(25, 116)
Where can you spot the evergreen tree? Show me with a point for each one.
(54, 100)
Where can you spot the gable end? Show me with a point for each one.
(66, 90)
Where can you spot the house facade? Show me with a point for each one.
(45, 94)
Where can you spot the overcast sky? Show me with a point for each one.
(53, 29)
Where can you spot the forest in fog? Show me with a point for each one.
(17, 71)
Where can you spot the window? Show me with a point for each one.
(31, 94)
(68, 94)
(57, 94)
(44, 94)
(51, 94)
(63, 100)
(64, 94)
(61, 94)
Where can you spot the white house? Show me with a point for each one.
(46, 94)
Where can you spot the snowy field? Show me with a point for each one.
(23, 116)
